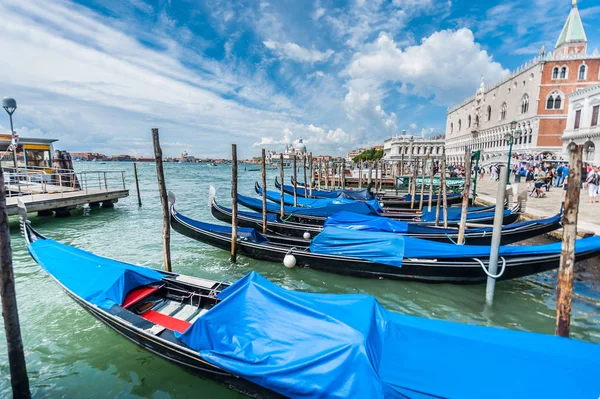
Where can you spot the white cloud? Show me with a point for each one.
(413, 126)
(298, 53)
(446, 65)
(319, 11)
(101, 89)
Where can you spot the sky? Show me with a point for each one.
(99, 74)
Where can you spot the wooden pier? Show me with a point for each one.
(62, 202)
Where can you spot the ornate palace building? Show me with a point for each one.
(535, 96)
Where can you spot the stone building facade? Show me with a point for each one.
(535, 96)
(583, 123)
(409, 148)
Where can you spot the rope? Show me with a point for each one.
(285, 219)
(454, 242)
(488, 273)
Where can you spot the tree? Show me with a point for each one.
(369, 155)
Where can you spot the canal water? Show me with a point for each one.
(70, 354)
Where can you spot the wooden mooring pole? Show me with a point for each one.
(319, 174)
(564, 289)
(281, 192)
(360, 175)
(137, 184)
(305, 180)
(439, 201)
(423, 164)
(430, 186)
(312, 175)
(343, 177)
(295, 183)
(496, 238)
(444, 190)
(234, 204)
(12, 328)
(465, 199)
(264, 191)
(413, 184)
(162, 189)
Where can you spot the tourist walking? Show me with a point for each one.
(591, 182)
(560, 178)
(529, 177)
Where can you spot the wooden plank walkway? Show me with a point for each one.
(44, 202)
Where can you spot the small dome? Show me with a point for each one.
(299, 146)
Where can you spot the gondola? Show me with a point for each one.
(397, 202)
(328, 346)
(384, 255)
(303, 202)
(317, 216)
(511, 233)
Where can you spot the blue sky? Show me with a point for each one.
(99, 74)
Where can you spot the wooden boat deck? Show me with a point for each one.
(64, 200)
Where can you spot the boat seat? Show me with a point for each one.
(169, 322)
(137, 294)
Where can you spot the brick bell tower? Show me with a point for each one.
(572, 38)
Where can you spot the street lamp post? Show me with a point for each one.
(10, 105)
(514, 133)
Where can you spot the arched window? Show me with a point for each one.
(469, 121)
(555, 73)
(451, 128)
(459, 125)
(525, 104)
(557, 102)
(489, 113)
(503, 111)
(476, 120)
(563, 72)
(581, 73)
(554, 100)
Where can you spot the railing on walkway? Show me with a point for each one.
(36, 181)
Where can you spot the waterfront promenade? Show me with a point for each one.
(536, 208)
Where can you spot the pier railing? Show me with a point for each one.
(60, 182)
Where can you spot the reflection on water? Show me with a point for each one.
(70, 354)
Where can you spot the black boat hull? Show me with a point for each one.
(456, 270)
(298, 230)
(410, 218)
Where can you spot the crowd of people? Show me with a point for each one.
(540, 177)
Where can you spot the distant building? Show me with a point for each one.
(121, 158)
(408, 148)
(298, 149)
(582, 123)
(535, 96)
(87, 156)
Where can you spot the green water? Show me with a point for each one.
(70, 354)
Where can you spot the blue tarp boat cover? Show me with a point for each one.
(390, 249)
(247, 233)
(454, 215)
(305, 345)
(101, 281)
(384, 248)
(365, 208)
(357, 195)
(355, 221)
(302, 202)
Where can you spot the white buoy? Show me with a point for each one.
(306, 235)
(289, 261)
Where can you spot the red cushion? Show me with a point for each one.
(166, 321)
(137, 294)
